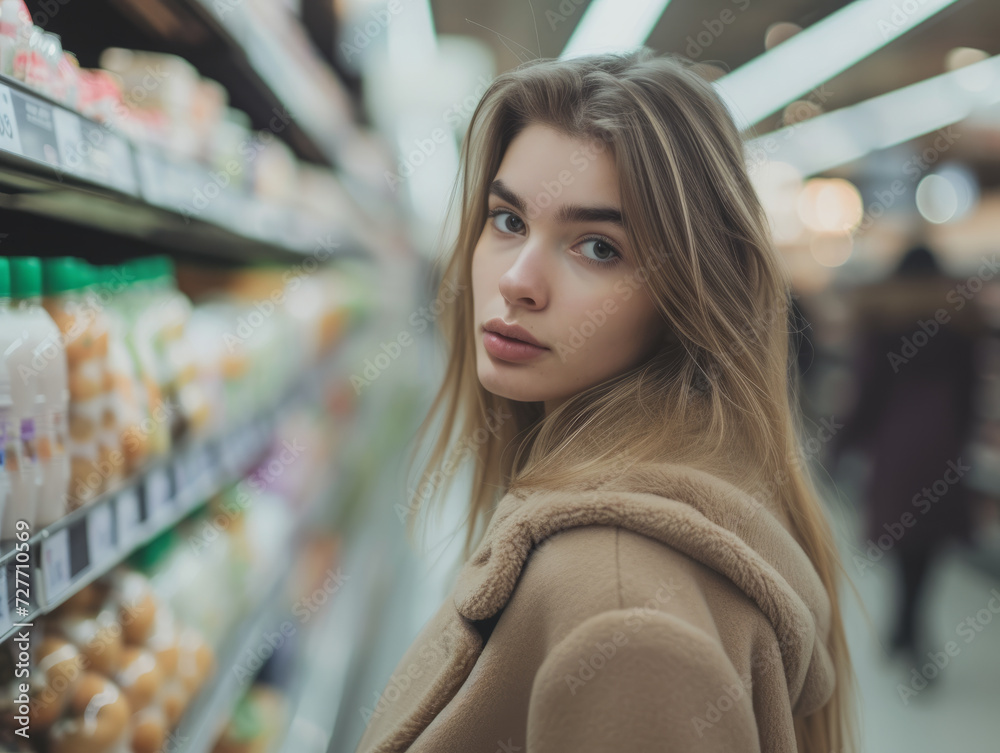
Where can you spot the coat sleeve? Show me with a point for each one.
(640, 680)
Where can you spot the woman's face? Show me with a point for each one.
(553, 259)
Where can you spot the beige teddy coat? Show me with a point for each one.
(663, 610)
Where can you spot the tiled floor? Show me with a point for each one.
(961, 710)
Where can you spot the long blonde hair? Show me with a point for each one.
(722, 393)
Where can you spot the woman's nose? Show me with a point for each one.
(526, 283)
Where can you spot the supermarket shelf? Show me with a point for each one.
(280, 53)
(262, 55)
(199, 729)
(210, 710)
(76, 550)
(58, 164)
(336, 650)
(193, 31)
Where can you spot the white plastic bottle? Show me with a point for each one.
(48, 367)
(18, 334)
(54, 451)
(74, 320)
(15, 25)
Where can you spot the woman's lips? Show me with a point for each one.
(508, 349)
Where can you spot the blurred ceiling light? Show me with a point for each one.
(936, 198)
(411, 39)
(777, 185)
(850, 133)
(613, 26)
(830, 205)
(974, 79)
(832, 249)
(948, 194)
(959, 57)
(791, 69)
(779, 32)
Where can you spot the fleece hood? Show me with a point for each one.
(745, 538)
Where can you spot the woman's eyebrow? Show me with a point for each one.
(568, 213)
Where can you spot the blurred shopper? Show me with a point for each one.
(913, 413)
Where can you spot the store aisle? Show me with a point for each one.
(957, 711)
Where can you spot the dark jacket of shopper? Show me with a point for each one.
(914, 410)
(666, 610)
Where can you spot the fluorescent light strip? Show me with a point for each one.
(818, 53)
(613, 26)
(847, 134)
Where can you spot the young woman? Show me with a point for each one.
(648, 566)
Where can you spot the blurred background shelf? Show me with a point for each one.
(79, 548)
(62, 166)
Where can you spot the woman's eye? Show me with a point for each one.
(512, 224)
(603, 252)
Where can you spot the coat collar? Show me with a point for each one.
(746, 539)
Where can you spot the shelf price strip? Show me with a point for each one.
(64, 556)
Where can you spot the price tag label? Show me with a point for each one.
(129, 518)
(206, 470)
(182, 479)
(10, 137)
(151, 175)
(5, 621)
(210, 474)
(120, 161)
(205, 465)
(100, 534)
(56, 570)
(193, 472)
(72, 147)
(158, 501)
